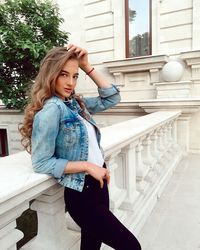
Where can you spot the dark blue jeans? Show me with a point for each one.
(90, 210)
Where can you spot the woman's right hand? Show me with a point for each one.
(99, 173)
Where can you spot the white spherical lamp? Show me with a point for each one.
(172, 71)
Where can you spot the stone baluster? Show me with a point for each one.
(130, 175)
(164, 138)
(149, 159)
(170, 138)
(161, 146)
(9, 235)
(141, 169)
(117, 194)
(51, 222)
(166, 142)
(154, 145)
(166, 152)
(155, 152)
(175, 147)
(169, 142)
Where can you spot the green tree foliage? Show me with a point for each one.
(28, 29)
(132, 15)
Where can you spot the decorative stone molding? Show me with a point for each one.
(119, 78)
(124, 109)
(186, 106)
(150, 64)
(192, 59)
(181, 89)
(195, 72)
(154, 75)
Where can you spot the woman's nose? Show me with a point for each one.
(71, 81)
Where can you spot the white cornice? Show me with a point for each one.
(144, 63)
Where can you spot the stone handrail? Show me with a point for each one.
(141, 154)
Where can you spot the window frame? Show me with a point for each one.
(127, 28)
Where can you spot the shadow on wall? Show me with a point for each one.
(27, 223)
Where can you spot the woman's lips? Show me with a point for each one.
(68, 90)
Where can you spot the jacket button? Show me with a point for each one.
(87, 186)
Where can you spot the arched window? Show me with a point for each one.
(138, 27)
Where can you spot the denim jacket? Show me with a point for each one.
(59, 135)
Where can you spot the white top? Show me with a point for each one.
(94, 152)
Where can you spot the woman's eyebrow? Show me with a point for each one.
(65, 71)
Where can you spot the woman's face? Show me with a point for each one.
(67, 79)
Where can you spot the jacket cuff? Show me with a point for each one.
(59, 167)
(105, 92)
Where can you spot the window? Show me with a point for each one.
(3, 143)
(138, 27)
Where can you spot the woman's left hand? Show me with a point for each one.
(82, 56)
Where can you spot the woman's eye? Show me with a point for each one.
(63, 75)
(76, 77)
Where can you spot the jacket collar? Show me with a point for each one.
(73, 105)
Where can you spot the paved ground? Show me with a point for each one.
(175, 221)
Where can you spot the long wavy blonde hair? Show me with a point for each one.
(43, 89)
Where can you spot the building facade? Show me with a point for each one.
(164, 74)
(104, 28)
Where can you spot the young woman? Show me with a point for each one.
(64, 141)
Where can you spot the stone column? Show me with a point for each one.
(52, 229)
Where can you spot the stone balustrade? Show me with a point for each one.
(141, 154)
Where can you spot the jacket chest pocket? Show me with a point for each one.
(70, 132)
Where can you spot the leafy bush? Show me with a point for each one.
(28, 29)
